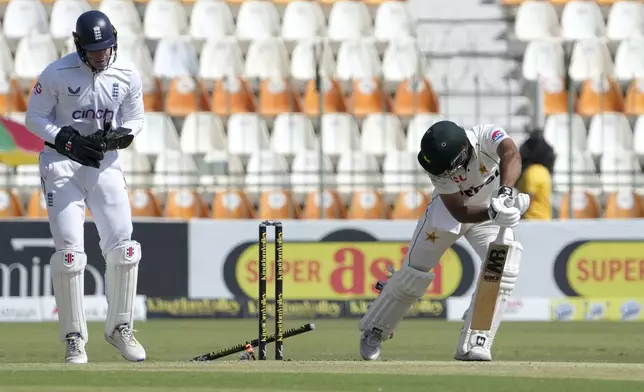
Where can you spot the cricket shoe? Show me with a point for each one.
(370, 346)
(123, 339)
(475, 354)
(75, 351)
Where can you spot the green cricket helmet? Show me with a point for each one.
(444, 149)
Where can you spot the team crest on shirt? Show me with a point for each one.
(497, 135)
(431, 237)
(482, 168)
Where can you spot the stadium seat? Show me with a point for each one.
(339, 133)
(473, 76)
(557, 132)
(185, 203)
(11, 96)
(278, 204)
(293, 133)
(609, 132)
(382, 133)
(174, 169)
(368, 97)
(415, 95)
(36, 205)
(585, 206)
(334, 206)
(349, 20)
(357, 59)
(152, 94)
(582, 173)
(136, 168)
(266, 170)
(203, 132)
(277, 95)
(231, 96)
(623, 204)
(619, 170)
(247, 134)
(222, 171)
(625, 20)
(333, 99)
(393, 20)
(23, 18)
(409, 204)
(367, 204)
(599, 96)
(629, 60)
(582, 19)
(555, 96)
(132, 48)
(257, 20)
(401, 172)
(305, 59)
(303, 20)
(143, 203)
(266, 58)
(158, 135)
(536, 20)
(221, 58)
(63, 17)
(175, 56)
(357, 171)
(185, 96)
(417, 127)
(6, 58)
(231, 204)
(309, 171)
(27, 176)
(638, 138)
(164, 19)
(124, 14)
(211, 19)
(590, 59)
(402, 60)
(10, 204)
(543, 59)
(33, 54)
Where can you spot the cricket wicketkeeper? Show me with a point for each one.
(473, 172)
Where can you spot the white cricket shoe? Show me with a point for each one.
(475, 354)
(123, 339)
(75, 350)
(370, 346)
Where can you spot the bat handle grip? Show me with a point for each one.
(501, 236)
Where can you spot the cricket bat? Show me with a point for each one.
(489, 283)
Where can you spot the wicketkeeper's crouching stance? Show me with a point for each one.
(473, 172)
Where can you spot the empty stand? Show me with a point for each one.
(211, 19)
(536, 20)
(303, 20)
(266, 170)
(203, 132)
(349, 20)
(266, 58)
(163, 19)
(221, 57)
(393, 20)
(582, 20)
(293, 133)
(247, 134)
(309, 170)
(175, 56)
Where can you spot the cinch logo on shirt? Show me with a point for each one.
(93, 114)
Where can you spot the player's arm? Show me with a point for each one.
(43, 100)
(510, 164)
(132, 112)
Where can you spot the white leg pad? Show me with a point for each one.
(122, 270)
(403, 289)
(68, 278)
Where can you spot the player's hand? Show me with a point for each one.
(522, 202)
(503, 215)
(116, 139)
(86, 150)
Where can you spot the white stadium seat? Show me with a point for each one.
(339, 133)
(64, 14)
(309, 170)
(382, 133)
(175, 169)
(472, 76)
(132, 48)
(620, 170)
(625, 20)
(417, 127)
(33, 54)
(175, 56)
(247, 133)
(582, 19)
(136, 167)
(304, 59)
(24, 17)
(401, 172)
(124, 17)
(302, 20)
(220, 58)
(164, 18)
(402, 60)
(292, 133)
(266, 170)
(629, 59)
(609, 132)
(638, 137)
(543, 59)
(583, 173)
(349, 20)
(393, 20)
(358, 59)
(6, 59)
(203, 132)
(357, 171)
(210, 19)
(257, 20)
(267, 58)
(557, 132)
(590, 59)
(536, 20)
(158, 135)
(222, 171)
(27, 176)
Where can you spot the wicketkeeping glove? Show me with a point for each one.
(116, 139)
(86, 150)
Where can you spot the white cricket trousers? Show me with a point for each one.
(69, 187)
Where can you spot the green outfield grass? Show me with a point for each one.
(553, 357)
